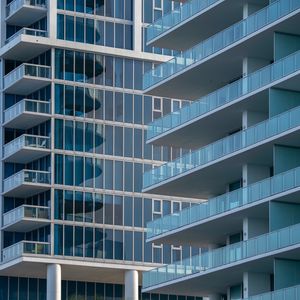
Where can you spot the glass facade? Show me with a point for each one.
(95, 126)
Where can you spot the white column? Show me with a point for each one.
(52, 18)
(131, 285)
(137, 25)
(54, 282)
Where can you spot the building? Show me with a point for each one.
(73, 129)
(240, 65)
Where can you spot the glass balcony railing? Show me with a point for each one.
(26, 106)
(26, 140)
(15, 5)
(221, 40)
(220, 257)
(226, 146)
(290, 293)
(27, 31)
(232, 92)
(176, 16)
(25, 248)
(255, 192)
(26, 176)
(28, 70)
(26, 211)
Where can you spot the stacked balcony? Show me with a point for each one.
(26, 79)
(26, 113)
(26, 183)
(26, 218)
(180, 76)
(25, 12)
(243, 131)
(25, 248)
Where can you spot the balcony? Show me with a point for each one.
(26, 79)
(26, 183)
(203, 172)
(182, 126)
(26, 114)
(25, 248)
(201, 272)
(193, 73)
(25, 12)
(227, 211)
(183, 27)
(290, 293)
(26, 148)
(26, 218)
(26, 44)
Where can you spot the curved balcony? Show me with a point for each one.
(184, 176)
(183, 27)
(257, 252)
(26, 218)
(26, 114)
(26, 79)
(26, 183)
(211, 109)
(25, 12)
(189, 74)
(26, 148)
(25, 248)
(225, 211)
(25, 44)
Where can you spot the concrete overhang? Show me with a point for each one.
(224, 66)
(211, 179)
(78, 269)
(26, 189)
(26, 15)
(26, 225)
(25, 47)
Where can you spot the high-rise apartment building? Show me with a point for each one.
(240, 64)
(73, 120)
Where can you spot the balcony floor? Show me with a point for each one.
(26, 155)
(27, 85)
(26, 190)
(26, 15)
(26, 120)
(26, 225)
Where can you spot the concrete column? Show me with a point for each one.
(250, 8)
(52, 18)
(254, 227)
(214, 297)
(2, 22)
(54, 282)
(131, 285)
(137, 25)
(250, 118)
(254, 173)
(256, 283)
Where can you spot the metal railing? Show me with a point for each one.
(26, 105)
(26, 176)
(28, 70)
(260, 19)
(25, 248)
(224, 147)
(27, 31)
(26, 211)
(221, 257)
(26, 140)
(15, 5)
